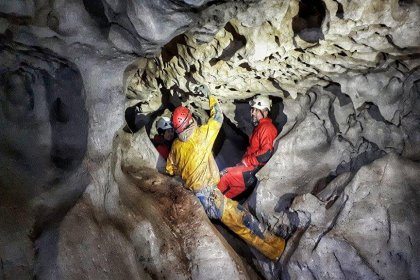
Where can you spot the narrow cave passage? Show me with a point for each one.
(83, 197)
(232, 140)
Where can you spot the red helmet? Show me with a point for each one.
(181, 118)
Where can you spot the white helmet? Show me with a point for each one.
(261, 102)
(163, 123)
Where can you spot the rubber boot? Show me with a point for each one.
(246, 226)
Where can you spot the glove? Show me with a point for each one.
(223, 172)
(202, 90)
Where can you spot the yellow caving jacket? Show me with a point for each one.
(193, 159)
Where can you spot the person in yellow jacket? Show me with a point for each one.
(191, 157)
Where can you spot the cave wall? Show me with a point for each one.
(348, 79)
(61, 104)
(78, 192)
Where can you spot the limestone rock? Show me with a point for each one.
(343, 76)
(148, 226)
(370, 235)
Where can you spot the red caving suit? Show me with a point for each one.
(240, 177)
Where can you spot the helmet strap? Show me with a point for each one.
(255, 123)
(188, 131)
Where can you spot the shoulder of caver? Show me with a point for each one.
(176, 145)
(267, 128)
(207, 131)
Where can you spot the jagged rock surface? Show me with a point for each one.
(146, 227)
(349, 83)
(345, 75)
(367, 230)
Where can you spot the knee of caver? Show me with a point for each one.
(212, 209)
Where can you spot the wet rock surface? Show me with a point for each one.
(147, 227)
(80, 196)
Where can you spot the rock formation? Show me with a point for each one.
(80, 196)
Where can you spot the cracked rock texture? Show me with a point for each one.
(80, 196)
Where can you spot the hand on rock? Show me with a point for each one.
(202, 90)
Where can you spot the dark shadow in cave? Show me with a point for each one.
(63, 94)
(340, 10)
(372, 152)
(335, 88)
(307, 23)
(68, 118)
(135, 119)
(405, 3)
(230, 145)
(238, 42)
(44, 121)
(97, 12)
(171, 49)
(277, 113)
(322, 183)
(375, 113)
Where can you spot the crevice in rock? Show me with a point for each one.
(189, 76)
(388, 219)
(3, 273)
(97, 12)
(351, 122)
(333, 222)
(246, 66)
(277, 113)
(322, 183)
(339, 264)
(312, 273)
(69, 130)
(134, 119)
(332, 118)
(230, 145)
(307, 24)
(374, 112)
(404, 3)
(170, 49)
(60, 111)
(284, 203)
(335, 89)
(340, 10)
(366, 153)
(238, 42)
(17, 19)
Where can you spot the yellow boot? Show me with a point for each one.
(244, 224)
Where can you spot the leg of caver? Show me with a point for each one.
(232, 183)
(212, 201)
(241, 222)
(244, 224)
